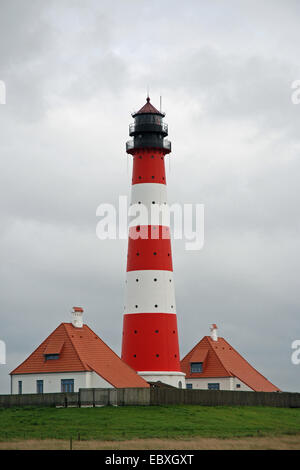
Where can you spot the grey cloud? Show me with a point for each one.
(74, 72)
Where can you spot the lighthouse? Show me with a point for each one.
(150, 335)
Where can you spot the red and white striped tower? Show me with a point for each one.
(150, 336)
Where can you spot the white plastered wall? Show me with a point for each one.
(226, 383)
(170, 378)
(52, 382)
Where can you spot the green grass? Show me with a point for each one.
(111, 423)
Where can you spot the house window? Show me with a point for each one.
(196, 367)
(213, 386)
(190, 386)
(67, 385)
(51, 357)
(39, 386)
(20, 387)
(238, 385)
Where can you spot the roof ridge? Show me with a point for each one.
(218, 357)
(74, 346)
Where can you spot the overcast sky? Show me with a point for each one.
(74, 71)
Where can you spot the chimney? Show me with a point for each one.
(214, 332)
(77, 313)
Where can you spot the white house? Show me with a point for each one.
(72, 357)
(214, 364)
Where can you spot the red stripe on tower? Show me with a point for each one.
(150, 336)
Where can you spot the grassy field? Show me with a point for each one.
(127, 423)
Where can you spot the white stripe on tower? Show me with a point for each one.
(151, 196)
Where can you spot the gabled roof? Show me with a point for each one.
(81, 350)
(148, 108)
(222, 360)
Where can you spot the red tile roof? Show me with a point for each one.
(54, 346)
(222, 360)
(81, 350)
(199, 355)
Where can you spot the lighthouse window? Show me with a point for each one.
(140, 177)
(155, 305)
(153, 202)
(136, 306)
(137, 280)
(157, 355)
(153, 177)
(135, 332)
(171, 306)
(155, 279)
(156, 331)
(134, 355)
(137, 254)
(196, 367)
(154, 253)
